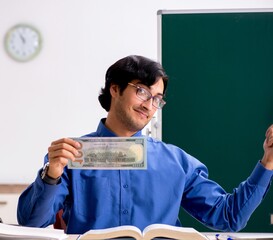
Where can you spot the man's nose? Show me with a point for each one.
(148, 104)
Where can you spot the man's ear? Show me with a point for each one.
(114, 90)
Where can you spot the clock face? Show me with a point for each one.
(23, 42)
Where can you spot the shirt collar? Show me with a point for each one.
(103, 131)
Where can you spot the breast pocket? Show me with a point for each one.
(92, 197)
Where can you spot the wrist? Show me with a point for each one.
(48, 179)
(267, 164)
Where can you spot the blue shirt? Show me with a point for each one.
(94, 199)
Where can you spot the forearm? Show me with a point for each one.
(36, 205)
(240, 205)
(246, 198)
(219, 210)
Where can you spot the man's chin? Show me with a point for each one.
(138, 127)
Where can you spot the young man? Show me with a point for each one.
(93, 199)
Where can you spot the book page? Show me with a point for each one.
(21, 232)
(167, 231)
(115, 232)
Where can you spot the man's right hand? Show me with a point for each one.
(59, 153)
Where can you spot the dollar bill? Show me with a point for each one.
(111, 153)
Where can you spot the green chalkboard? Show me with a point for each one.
(220, 94)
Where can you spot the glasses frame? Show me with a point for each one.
(138, 88)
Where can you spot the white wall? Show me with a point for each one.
(55, 95)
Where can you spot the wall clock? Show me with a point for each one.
(23, 42)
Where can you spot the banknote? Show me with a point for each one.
(111, 153)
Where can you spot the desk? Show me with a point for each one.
(241, 235)
(73, 237)
(210, 235)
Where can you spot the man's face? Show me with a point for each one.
(132, 113)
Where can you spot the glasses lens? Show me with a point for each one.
(143, 94)
(158, 102)
(162, 103)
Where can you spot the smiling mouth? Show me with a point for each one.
(142, 113)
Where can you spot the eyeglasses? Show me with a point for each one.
(145, 95)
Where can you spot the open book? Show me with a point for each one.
(150, 232)
(19, 232)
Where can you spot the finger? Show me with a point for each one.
(68, 141)
(59, 160)
(62, 153)
(269, 134)
(65, 143)
(269, 141)
(64, 146)
(269, 130)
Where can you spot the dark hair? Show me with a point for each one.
(128, 69)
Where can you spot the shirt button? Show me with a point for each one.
(125, 211)
(125, 185)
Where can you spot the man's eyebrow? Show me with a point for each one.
(157, 94)
(149, 87)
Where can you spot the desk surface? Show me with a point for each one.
(73, 237)
(241, 235)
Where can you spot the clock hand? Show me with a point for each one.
(23, 39)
